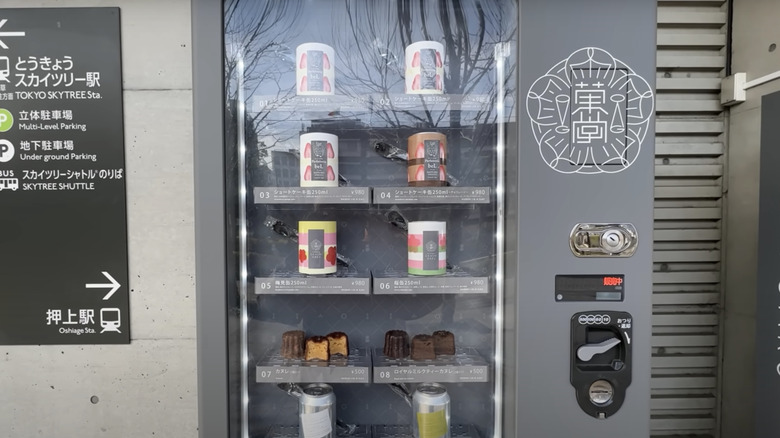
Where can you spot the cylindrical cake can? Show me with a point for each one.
(319, 160)
(427, 248)
(317, 247)
(317, 410)
(424, 68)
(431, 410)
(427, 165)
(314, 69)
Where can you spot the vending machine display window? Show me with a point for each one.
(366, 177)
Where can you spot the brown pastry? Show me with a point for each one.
(443, 342)
(396, 344)
(317, 348)
(422, 347)
(292, 344)
(338, 343)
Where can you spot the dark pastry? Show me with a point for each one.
(292, 344)
(422, 347)
(396, 344)
(443, 342)
(338, 342)
(317, 348)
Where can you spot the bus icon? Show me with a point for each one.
(9, 184)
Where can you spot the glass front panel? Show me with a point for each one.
(366, 147)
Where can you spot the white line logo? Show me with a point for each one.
(590, 113)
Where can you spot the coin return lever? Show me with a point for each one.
(603, 240)
(601, 360)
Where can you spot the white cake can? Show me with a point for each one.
(424, 68)
(427, 248)
(319, 160)
(315, 72)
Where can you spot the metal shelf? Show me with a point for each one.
(355, 368)
(465, 366)
(370, 103)
(431, 195)
(343, 282)
(405, 431)
(362, 431)
(312, 195)
(459, 282)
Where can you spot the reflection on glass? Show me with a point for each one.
(372, 74)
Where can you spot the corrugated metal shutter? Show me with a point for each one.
(688, 226)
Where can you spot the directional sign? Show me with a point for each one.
(113, 285)
(7, 34)
(63, 212)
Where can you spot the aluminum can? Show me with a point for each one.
(431, 410)
(317, 411)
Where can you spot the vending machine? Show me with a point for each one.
(424, 218)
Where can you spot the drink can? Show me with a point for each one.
(431, 410)
(317, 247)
(317, 409)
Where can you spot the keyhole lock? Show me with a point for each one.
(603, 240)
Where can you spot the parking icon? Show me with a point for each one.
(6, 151)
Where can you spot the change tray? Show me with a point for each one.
(292, 432)
(345, 281)
(453, 282)
(466, 365)
(405, 431)
(273, 368)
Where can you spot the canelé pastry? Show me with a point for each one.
(317, 348)
(292, 344)
(422, 347)
(396, 344)
(338, 342)
(443, 342)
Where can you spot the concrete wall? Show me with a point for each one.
(147, 388)
(755, 29)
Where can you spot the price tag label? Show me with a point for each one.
(312, 195)
(432, 195)
(431, 285)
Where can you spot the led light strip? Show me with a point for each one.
(501, 51)
(242, 253)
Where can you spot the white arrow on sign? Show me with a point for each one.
(7, 34)
(114, 285)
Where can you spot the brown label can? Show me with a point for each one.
(427, 165)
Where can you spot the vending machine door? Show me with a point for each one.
(364, 194)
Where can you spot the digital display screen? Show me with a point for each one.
(589, 287)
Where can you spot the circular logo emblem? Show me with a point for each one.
(590, 113)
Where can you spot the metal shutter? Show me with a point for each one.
(688, 227)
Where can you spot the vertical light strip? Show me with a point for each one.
(242, 254)
(500, 53)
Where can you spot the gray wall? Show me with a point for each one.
(147, 388)
(755, 28)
